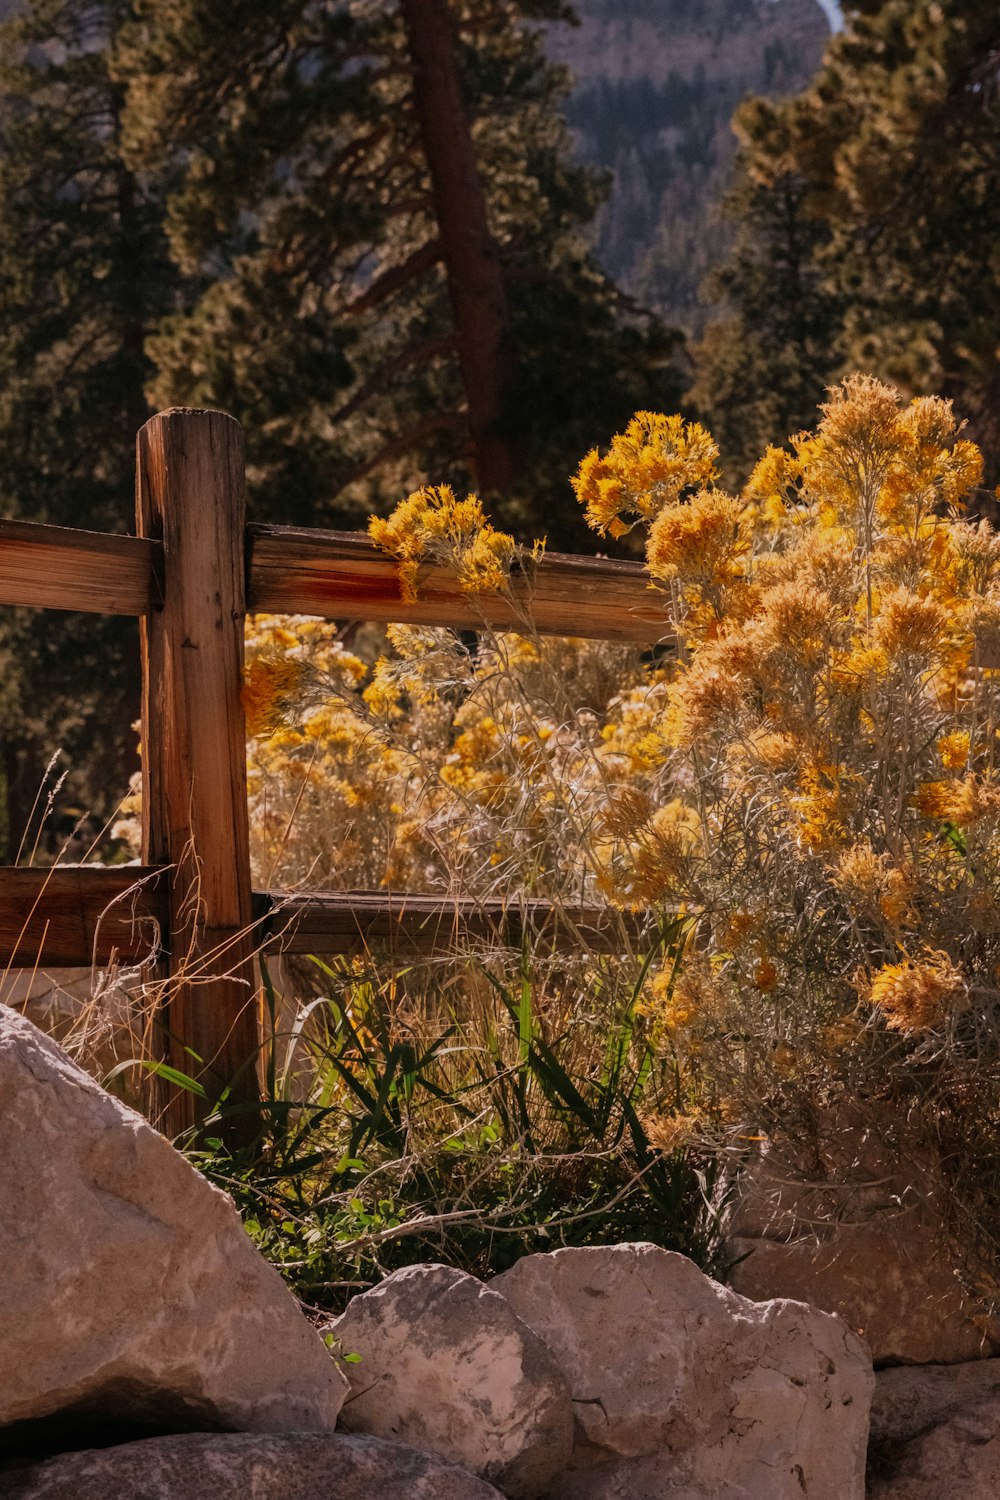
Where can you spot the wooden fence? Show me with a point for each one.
(190, 576)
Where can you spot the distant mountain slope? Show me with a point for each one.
(657, 82)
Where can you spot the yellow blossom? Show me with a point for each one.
(909, 625)
(873, 885)
(776, 483)
(954, 750)
(658, 850)
(702, 541)
(671, 1132)
(649, 465)
(821, 806)
(970, 800)
(432, 524)
(775, 750)
(271, 685)
(919, 996)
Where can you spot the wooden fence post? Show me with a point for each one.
(190, 495)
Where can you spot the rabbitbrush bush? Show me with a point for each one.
(796, 798)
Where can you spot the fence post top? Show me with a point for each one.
(172, 412)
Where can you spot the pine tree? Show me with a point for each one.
(83, 276)
(894, 151)
(382, 203)
(763, 367)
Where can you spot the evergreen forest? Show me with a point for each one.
(395, 239)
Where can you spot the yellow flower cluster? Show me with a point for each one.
(433, 525)
(874, 887)
(653, 858)
(954, 750)
(271, 688)
(426, 764)
(651, 464)
(775, 484)
(919, 996)
(964, 802)
(874, 461)
(703, 541)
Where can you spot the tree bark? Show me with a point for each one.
(470, 253)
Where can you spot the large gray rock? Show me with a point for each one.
(853, 1219)
(240, 1466)
(684, 1390)
(130, 1290)
(935, 1432)
(447, 1366)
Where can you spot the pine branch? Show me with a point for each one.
(445, 421)
(383, 287)
(406, 359)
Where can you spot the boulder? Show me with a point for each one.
(133, 1297)
(854, 1220)
(935, 1431)
(242, 1466)
(447, 1366)
(682, 1389)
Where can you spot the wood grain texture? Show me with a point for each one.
(75, 917)
(191, 497)
(342, 575)
(337, 574)
(350, 921)
(56, 567)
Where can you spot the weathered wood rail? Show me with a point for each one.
(336, 574)
(189, 576)
(340, 573)
(85, 915)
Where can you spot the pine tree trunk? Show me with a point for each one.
(471, 255)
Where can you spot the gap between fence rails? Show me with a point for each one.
(190, 576)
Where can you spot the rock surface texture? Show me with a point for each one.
(239, 1466)
(447, 1366)
(853, 1222)
(131, 1292)
(935, 1433)
(685, 1391)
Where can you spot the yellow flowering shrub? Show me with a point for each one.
(809, 772)
(918, 997)
(430, 767)
(824, 732)
(825, 797)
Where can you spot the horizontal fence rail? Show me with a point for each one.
(55, 567)
(341, 574)
(333, 574)
(188, 913)
(72, 917)
(328, 922)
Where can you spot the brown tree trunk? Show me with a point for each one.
(470, 253)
